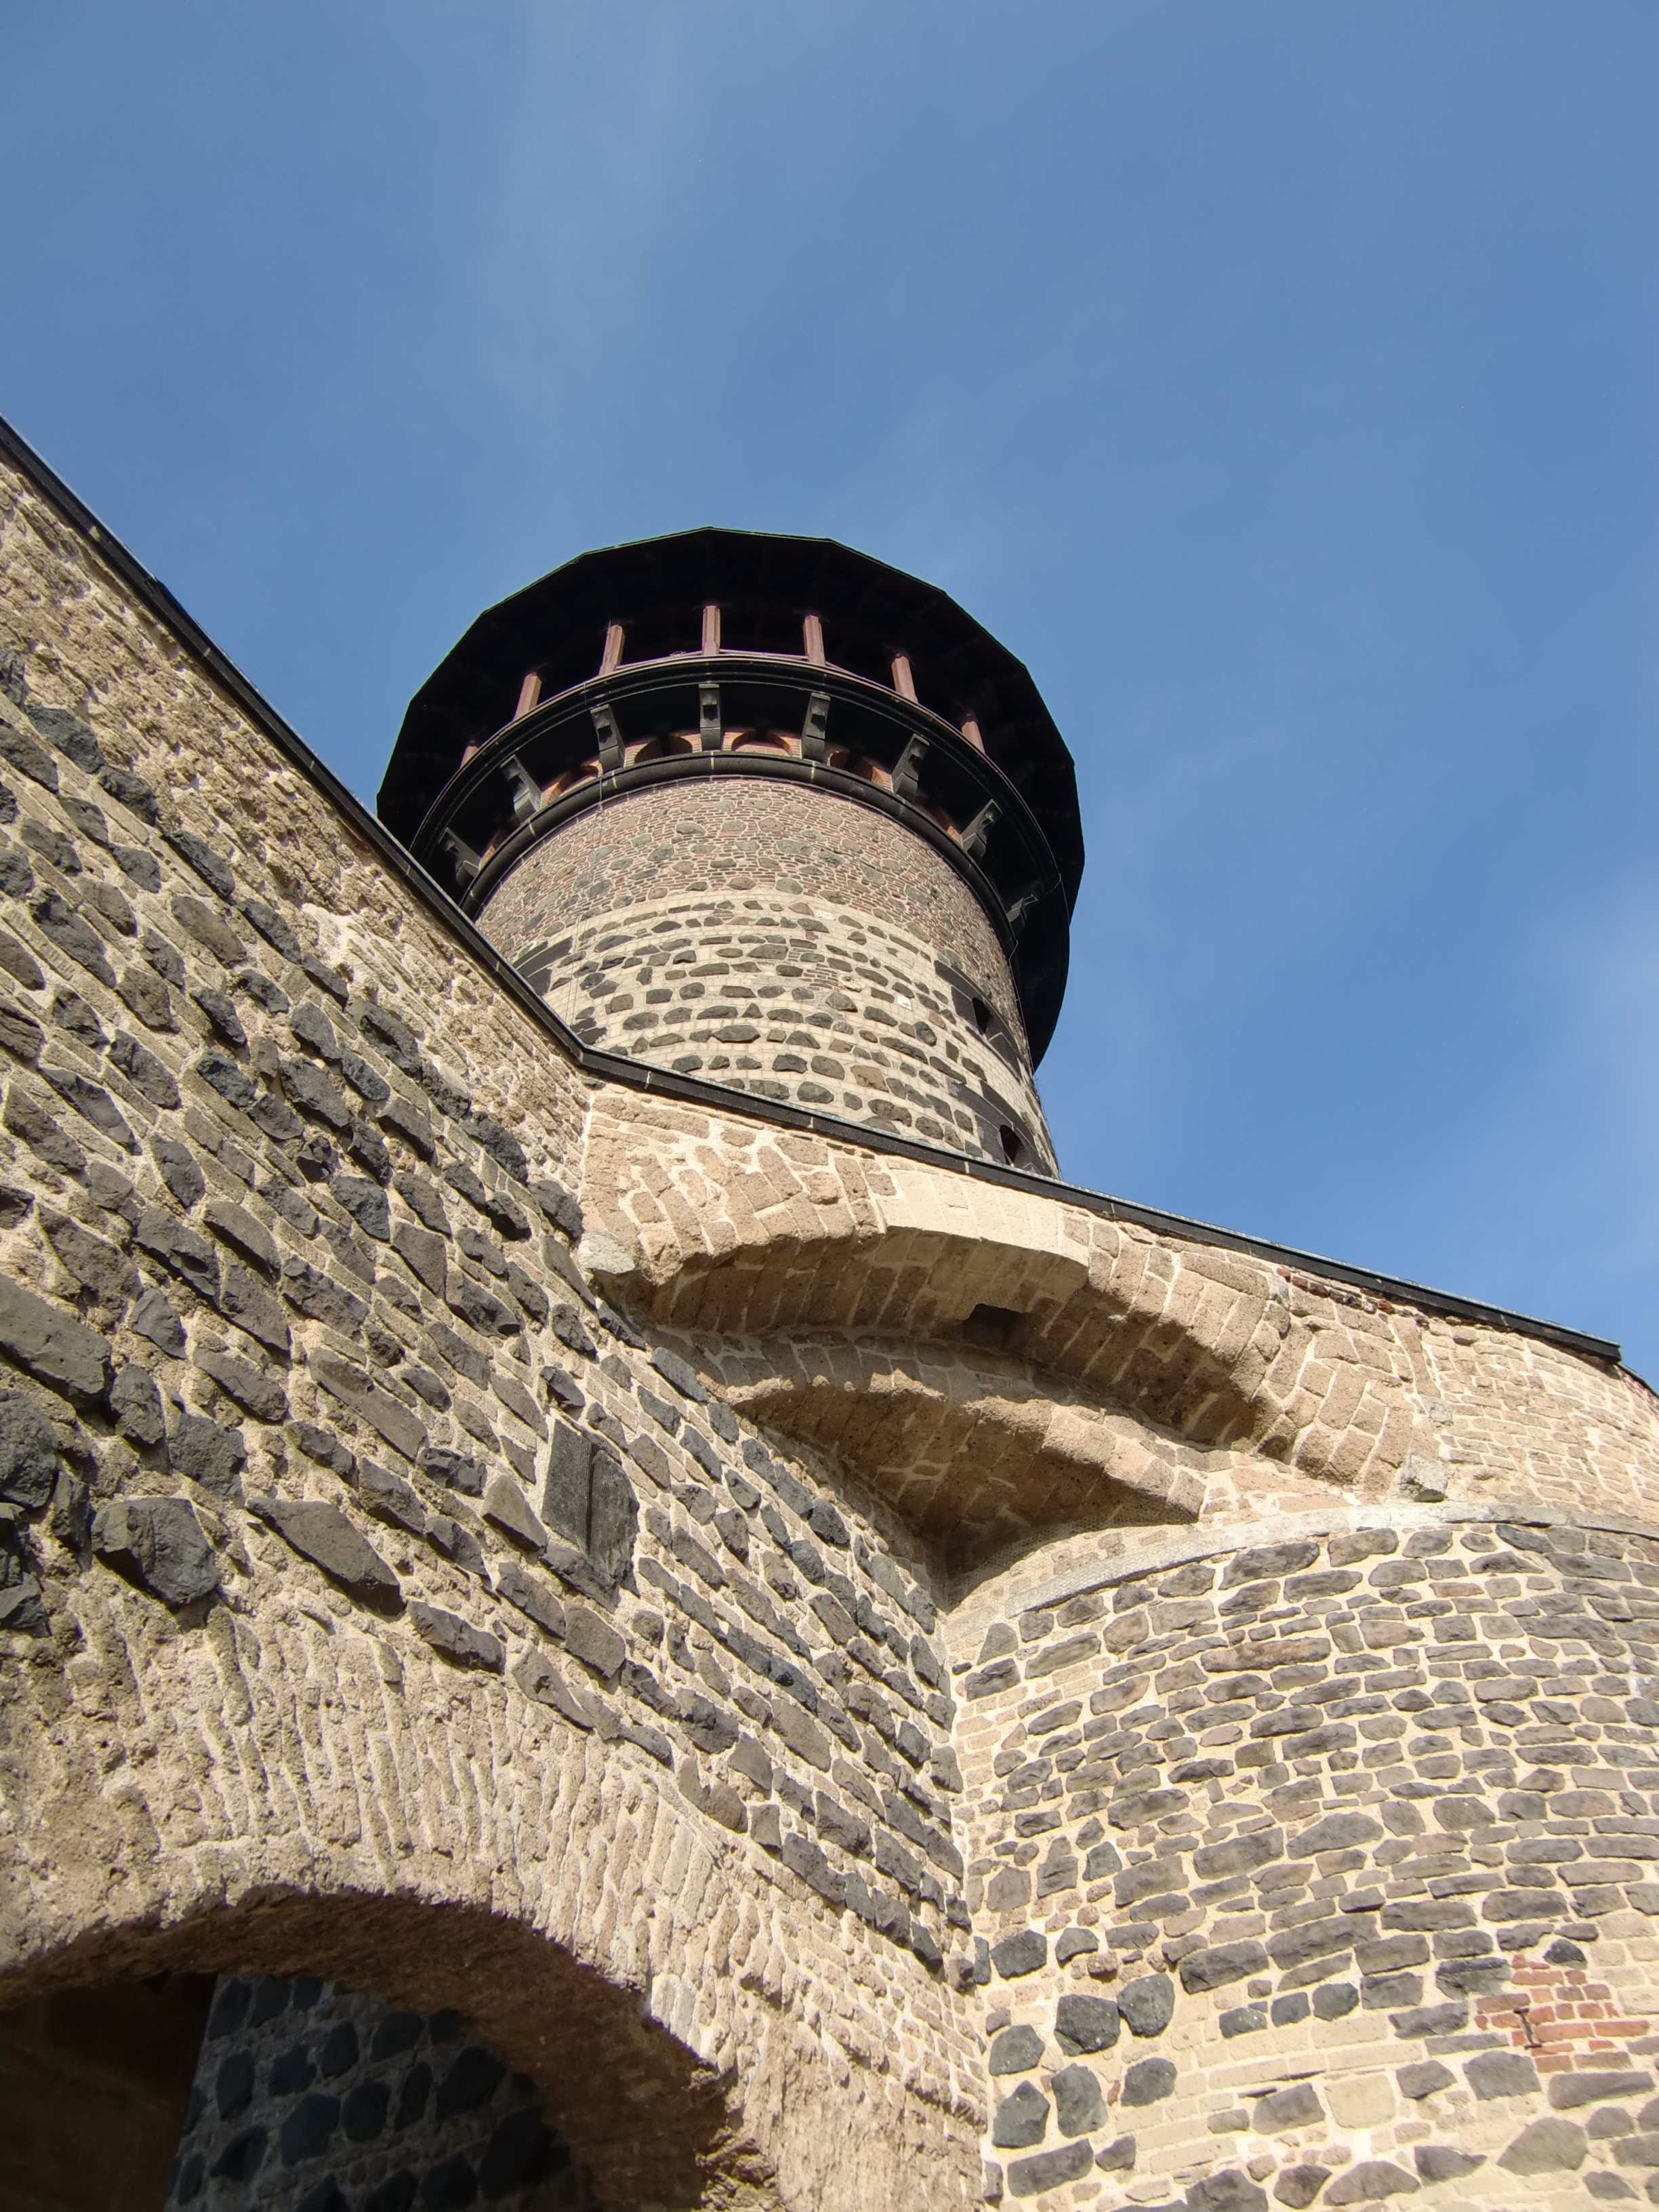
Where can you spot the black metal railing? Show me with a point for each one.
(696, 715)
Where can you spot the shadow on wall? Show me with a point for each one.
(310, 2097)
(275, 2088)
(93, 2085)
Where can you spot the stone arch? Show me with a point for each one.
(716, 1230)
(661, 2132)
(268, 1791)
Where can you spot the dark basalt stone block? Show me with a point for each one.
(363, 1079)
(457, 1639)
(180, 1171)
(1299, 2185)
(264, 993)
(1015, 2050)
(1440, 2162)
(1021, 2119)
(221, 1012)
(56, 1350)
(1371, 2178)
(233, 1085)
(143, 1071)
(309, 2128)
(326, 1450)
(73, 737)
(1032, 2177)
(318, 1298)
(1227, 2191)
(232, 2085)
(152, 1317)
(28, 1452)
(131, 791)
(1297, 2106)
(366, 1202)
(257, 1393)
(207, 1454)
(1078, 2106)
(312, 1093)
(51, 845)
(159, 1543)
(395, 1038)
(324, 977)
(20, 963)
(1025, 1952)
(471, 1303)
(368, 1148)
(212, 867)
(802, 1857)
(1148, 2081)
(242, 2156)
(272, 927)
(1221, 1964)
(1148, 2004)
(313, 1029)
(135, 1406)
(1502, 2073)
(94, 1104)
(138, 866)
(27, 756)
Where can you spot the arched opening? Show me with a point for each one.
(348, 2055)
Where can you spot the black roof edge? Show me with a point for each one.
(1041, 764)
(640, 1075)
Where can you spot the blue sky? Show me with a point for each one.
(1279, 381)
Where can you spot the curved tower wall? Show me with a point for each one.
(1321, 1870)
(784, 942)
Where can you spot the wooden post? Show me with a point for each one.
(812, 639)
(903, 683)
(711, 629)
(970, 731)
(530, 692)
(613, 646)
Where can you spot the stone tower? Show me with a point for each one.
(764, 810)
(613, 1599)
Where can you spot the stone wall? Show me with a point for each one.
(783, 942)
(920, 1685)
(358, 1551)
(309, 2098)
(1323, 1867)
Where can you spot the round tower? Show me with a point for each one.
(766, 811)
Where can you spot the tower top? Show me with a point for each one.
(901, 697)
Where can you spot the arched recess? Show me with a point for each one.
(976, 1455)
(272, 1792)
(744, 1234)
(635, 2103)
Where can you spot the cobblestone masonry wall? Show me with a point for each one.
(358, 1557)
(1322, 1868)
(681, 1594)
(781, 941)
(309, 2098)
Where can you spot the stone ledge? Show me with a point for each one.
(1210, 1542)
